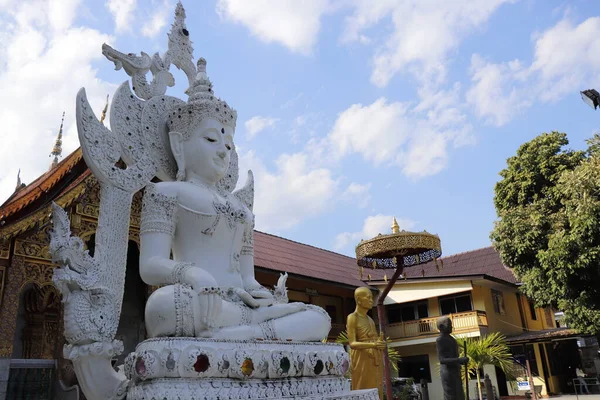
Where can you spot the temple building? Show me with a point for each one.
(478, 292)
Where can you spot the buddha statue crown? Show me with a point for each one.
(202, 103)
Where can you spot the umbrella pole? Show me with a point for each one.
(381, 318)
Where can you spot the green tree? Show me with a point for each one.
(490, 349)
(548, 231)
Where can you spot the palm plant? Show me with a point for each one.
(393, 354)
(489, 349)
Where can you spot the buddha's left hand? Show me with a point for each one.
(258, 291)
(247, 298)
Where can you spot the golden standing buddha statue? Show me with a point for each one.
(366, 345)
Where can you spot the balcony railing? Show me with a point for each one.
(461, 322)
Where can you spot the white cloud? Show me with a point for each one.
(123, 13)
(566, 60)
(158, 20)
(357, 194)
(567, 57)
(376, 130)
(258, 123)
(40, 74)
(292, 193)
(494, 95)
(294, 24)
(415, 139)
(372, 226)
(424, 33)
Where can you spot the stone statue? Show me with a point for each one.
(366, 346)
(213, 329)
(450, 362)
(211, 290)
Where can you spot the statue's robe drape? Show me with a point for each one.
(367, 364)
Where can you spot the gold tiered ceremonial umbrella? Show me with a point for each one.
(398, 250)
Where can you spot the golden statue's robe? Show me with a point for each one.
(367, 364)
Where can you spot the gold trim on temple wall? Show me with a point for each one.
(10, 305)
(4, 249)
(90, 206)
(86, 229)
(20, 273)
(33, 250)
(37, 272)
(2, 280)
(43, 215)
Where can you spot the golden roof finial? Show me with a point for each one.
(395, 226)
(103, 116)
(57, 149)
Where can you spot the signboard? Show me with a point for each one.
(524, 385)
(312, 292)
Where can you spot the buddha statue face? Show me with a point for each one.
(204, 153)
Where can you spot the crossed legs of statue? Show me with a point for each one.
(174, 310)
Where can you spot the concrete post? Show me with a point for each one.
(489, 389)
(4, 372)
(424, 390)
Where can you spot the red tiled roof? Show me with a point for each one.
(27, 195)
(485, 261)
(279, 254)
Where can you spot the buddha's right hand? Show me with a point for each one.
(210, 302)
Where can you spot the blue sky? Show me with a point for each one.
(349, 111)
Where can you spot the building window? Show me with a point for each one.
(416, 367)
(498, 300)
(456, 304)
(407, 312)
(549, 314)
(532, 310)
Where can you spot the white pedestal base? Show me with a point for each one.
(209, 369)
(322, 388)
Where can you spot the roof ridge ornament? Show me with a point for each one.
(20, 185)
(57, 149)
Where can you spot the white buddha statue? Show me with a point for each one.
(211, 290)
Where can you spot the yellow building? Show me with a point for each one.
(481, 296)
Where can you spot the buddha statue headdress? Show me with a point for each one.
(202, 103)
